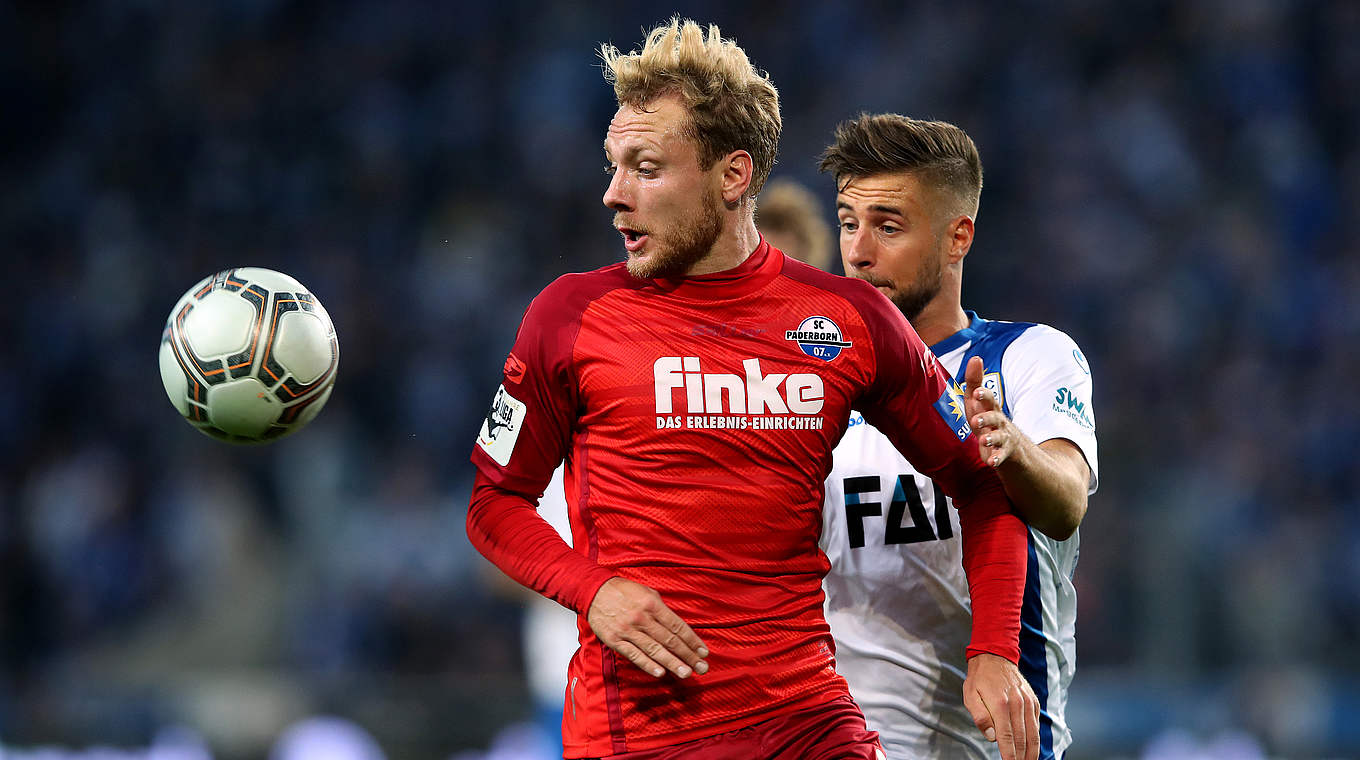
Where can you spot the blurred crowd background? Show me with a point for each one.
(1174, 184)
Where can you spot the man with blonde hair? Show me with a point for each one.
(695, 392)
(897, 601)
(790, 219)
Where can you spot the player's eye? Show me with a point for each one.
(890, 229)
(610, 169)
(646, 171)
(848, 226)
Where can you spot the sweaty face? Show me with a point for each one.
(665, 205)
(890, 238)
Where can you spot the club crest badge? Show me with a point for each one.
(992, 382)
(819, 338)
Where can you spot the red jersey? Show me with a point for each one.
(697, 419)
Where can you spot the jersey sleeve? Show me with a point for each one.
(1049, 387)
(526, 431)
(913, 402)
(522, 440)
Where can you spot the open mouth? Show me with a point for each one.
(633, 240)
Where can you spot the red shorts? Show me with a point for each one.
(831, 731)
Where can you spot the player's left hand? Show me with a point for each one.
(1003, 706)
(996, 436)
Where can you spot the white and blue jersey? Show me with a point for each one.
(897, 597)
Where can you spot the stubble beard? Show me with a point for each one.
(911, 299)
(681, 245)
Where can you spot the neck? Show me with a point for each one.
(736, 244)
(940, 319)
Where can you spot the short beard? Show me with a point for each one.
(681, 245)
(912, 299)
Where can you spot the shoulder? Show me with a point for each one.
(873, 307)
(1039, 344)
(592, 284)
(846, 287)
(567, 297)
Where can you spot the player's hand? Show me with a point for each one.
(995, 434)
(1003, 706)
(631, 619)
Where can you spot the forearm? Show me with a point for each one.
(995, 556)
(507, 529)
(1047, 484)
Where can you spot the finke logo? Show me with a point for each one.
(756, 393)
(819, 338)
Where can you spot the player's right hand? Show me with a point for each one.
(1003, 706)
(631, 619)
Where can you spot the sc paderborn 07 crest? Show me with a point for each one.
(819, 338)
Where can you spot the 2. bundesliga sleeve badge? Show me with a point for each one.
(501, 427)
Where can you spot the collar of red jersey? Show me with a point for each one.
(750, 275)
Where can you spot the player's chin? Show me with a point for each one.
(645, 264)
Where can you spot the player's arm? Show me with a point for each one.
(628, 617)
(524, 437)
(522, 440)
(1047, 481)
(506, 528)
(912, 402)
(909, 401)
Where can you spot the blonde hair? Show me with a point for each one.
(790, 211)
(732, 105)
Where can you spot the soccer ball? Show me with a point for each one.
(248, 355)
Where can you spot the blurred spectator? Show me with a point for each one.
(791, 218)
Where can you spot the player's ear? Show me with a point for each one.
(738, 169)
(960, 233)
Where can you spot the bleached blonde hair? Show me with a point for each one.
(731, 104)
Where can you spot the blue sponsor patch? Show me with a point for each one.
(950, 407)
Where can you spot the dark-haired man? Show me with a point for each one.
(897, 599)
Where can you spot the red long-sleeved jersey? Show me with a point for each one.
(697, 419)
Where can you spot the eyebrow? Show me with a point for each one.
(879, 207)
(629, 152)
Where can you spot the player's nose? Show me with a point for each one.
(617, 196)
(857, 250)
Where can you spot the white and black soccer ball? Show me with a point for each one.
(249, 355)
